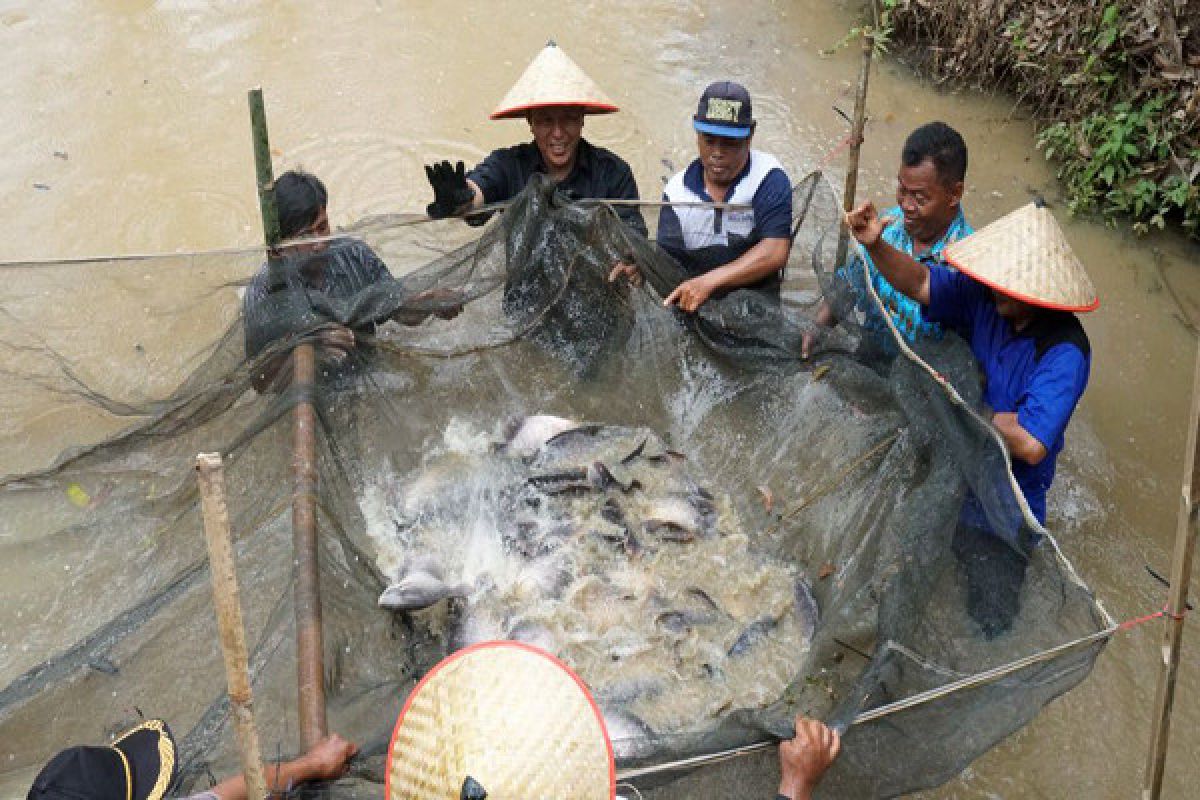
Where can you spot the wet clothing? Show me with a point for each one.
(904, 311)
(271, 312)
(1040, 373)
(702, 239)
(597, 173)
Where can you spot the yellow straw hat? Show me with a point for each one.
(1025, 255)
(511, 717)
(553, 79)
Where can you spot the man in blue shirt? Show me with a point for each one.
(1012, 300)
(927, 217)
(725, 248)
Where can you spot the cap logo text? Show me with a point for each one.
(722, 109)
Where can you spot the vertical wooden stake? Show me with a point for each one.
(1177, 595)
(310, 669)
(856, 140)
(228, 605)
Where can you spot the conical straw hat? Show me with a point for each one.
(1025, 255)
(508, 715)
(553, 79)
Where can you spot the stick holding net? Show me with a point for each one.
(227, 602)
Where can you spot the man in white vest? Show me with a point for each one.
(725, 248)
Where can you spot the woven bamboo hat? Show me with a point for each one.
(553, 79)
(507, 715)
(1025, 255)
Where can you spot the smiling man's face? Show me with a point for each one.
(556, 132)
(929, 203)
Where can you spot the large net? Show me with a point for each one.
(714, 531)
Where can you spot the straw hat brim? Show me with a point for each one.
(519, 112)
(1026, 256)
(507, 714)
(553, 80)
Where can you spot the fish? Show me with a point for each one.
(562, 538)
(421, 585)
(530, 434)
(631, 738)
(804, 609)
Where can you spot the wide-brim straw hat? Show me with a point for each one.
(1025, 255)
(513, 718)
(552, 79)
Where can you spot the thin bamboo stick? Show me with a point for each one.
(310, 670)
(1177, 595)
(856, 138)
(227, 602)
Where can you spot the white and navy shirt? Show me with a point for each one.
(701, 239)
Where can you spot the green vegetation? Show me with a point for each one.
(1114, 86)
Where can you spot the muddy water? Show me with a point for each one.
(125, 131)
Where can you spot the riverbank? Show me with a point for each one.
(1114, 88)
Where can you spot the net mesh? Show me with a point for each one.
(839, 477)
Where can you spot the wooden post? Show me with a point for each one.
(228, 605)
(310, 670)
(1177, 595)
(856, 140)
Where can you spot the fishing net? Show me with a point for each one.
(716, 532)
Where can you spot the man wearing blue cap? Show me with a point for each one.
(725, 248)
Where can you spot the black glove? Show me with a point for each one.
(450, 189)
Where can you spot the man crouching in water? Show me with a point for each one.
(1012, 300)
(284, 299)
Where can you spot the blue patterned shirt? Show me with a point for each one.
(905, 312)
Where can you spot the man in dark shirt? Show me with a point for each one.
(296, 292)
(553, 95)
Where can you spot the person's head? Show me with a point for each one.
(556, 131)
(929, 186)
(1016, 312)
(724, 124)
(140, 765)
(300, 200)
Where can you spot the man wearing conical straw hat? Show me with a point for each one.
(553, 95)
(1014, 299)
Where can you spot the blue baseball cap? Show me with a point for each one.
(725, 110)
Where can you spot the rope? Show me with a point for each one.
(390, 220)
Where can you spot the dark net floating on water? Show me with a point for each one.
(650, 529)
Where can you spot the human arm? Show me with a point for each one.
(907, 275)
(804, 758)
(1022, 444)
(824, 317)
(763, 259)
(1045, 406)
(326, 760)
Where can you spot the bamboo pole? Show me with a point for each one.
(228, 605)
(310, 670)
(856, 140)
(1177, 595)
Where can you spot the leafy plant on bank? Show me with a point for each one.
(1115, 87)
(1122, 159)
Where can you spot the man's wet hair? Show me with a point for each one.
(299, 198)
(943, 145)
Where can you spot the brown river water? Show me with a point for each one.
(125, 130)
